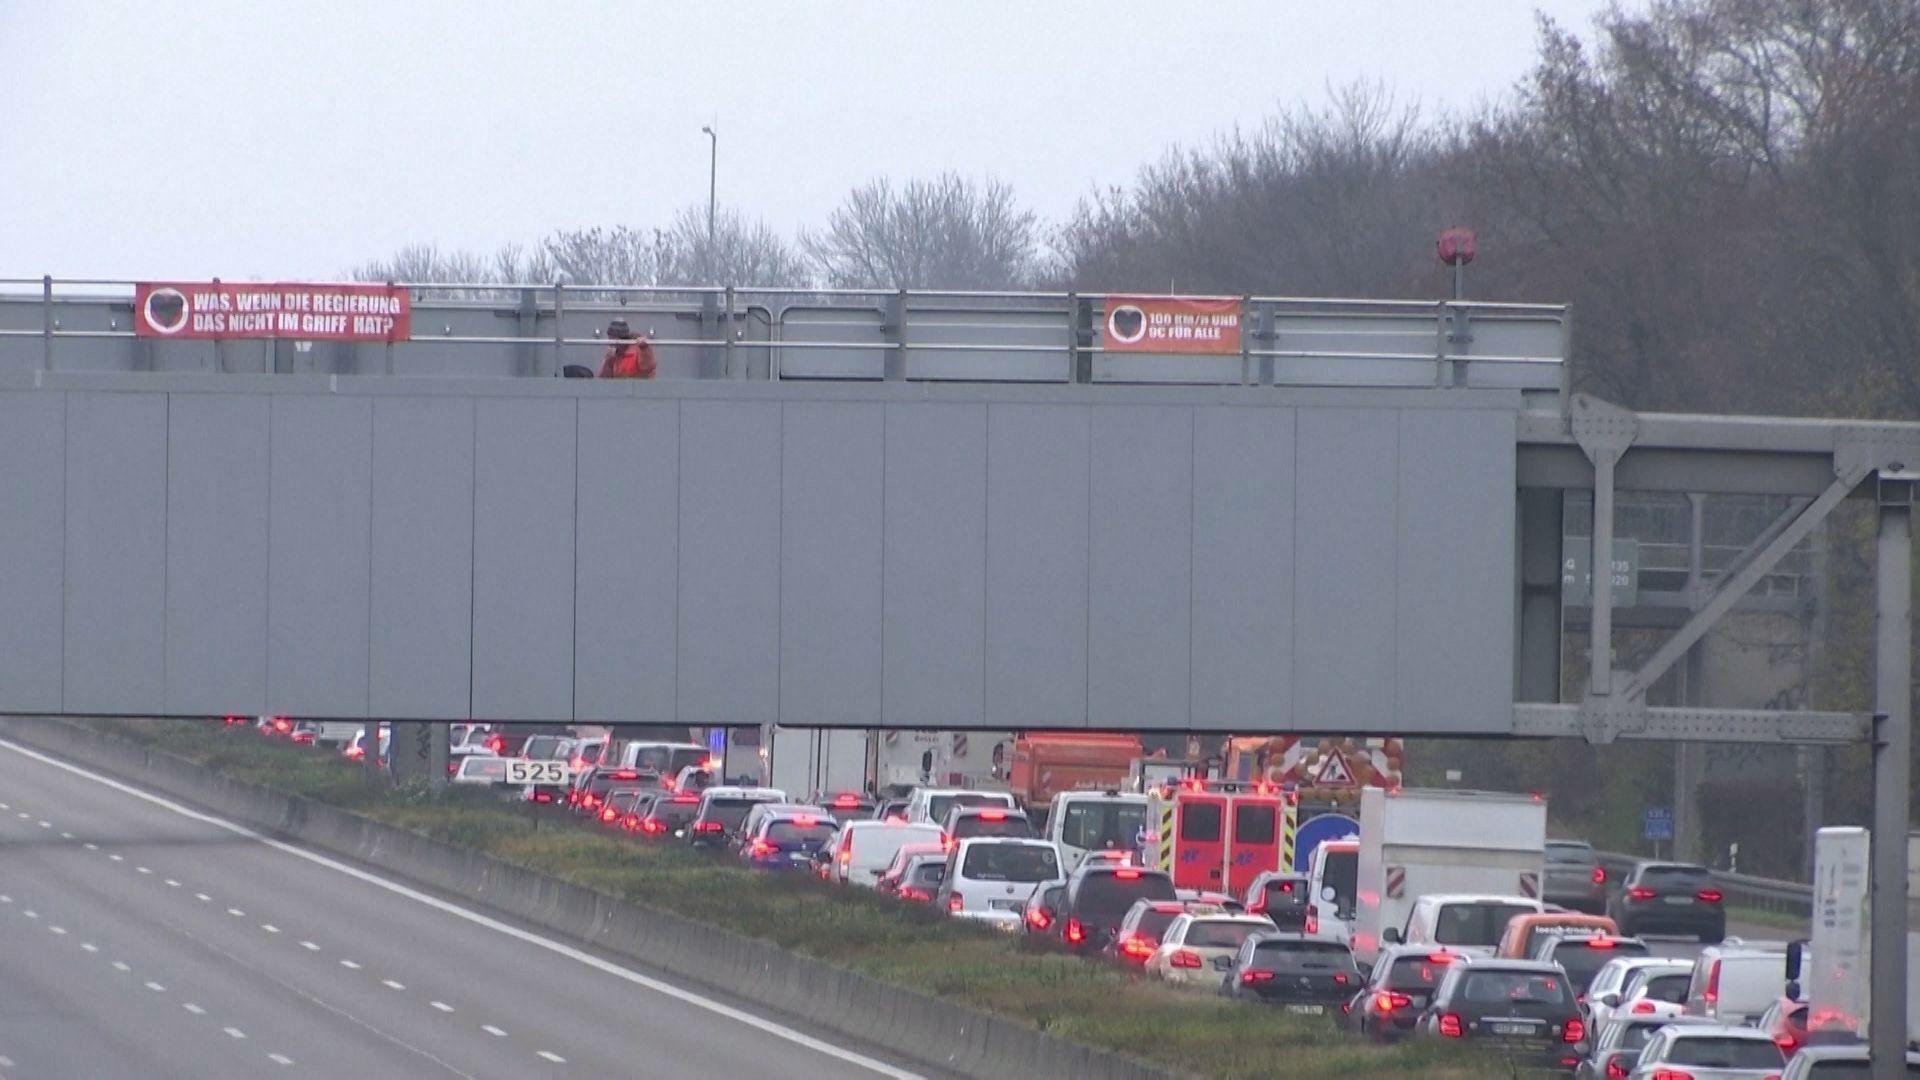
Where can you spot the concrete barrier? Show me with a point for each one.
(948, 1037)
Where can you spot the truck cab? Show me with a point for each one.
(1331, 877)
(1082, 822)
(1468, 924)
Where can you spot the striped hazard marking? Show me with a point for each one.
(1396, 881)
(1530, 885)
(1166, 837)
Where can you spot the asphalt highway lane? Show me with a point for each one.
(140, 938)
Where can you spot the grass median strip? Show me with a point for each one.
(903, 944)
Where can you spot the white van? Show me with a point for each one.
(1734, 983)
(1333, 877)
(929, 806)
(991, 878)
(1463, 923)
(863, 849)
(1082, 822)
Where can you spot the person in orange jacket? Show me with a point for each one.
(628, 357)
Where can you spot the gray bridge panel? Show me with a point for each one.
(1243, 527)
(422, 616)
(1140, 596)
(935, 564)
(998, 557)
(1455, 569)
(830, 547)
(1037, 458)
(32, 550)
(729, 561)
(318, 588)
(217, 552)
(523, 575)
(116, 544)
(627, 598)
(1344, 566)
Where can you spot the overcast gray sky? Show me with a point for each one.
(286, 140)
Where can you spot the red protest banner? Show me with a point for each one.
(1171, 324)
(213, 310)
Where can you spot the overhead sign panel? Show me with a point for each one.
(214, 310)
(1172, 324)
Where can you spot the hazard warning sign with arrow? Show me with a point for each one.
(1333, 771)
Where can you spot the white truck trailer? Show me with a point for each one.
(807, 762)
(1836, 978)
(1420, 842)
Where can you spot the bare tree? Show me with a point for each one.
(621, 255)
(744, 252)
(950, 232)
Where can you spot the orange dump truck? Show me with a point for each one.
(1046, 763)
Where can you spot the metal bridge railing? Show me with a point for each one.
(529, 329)
(1742, 890)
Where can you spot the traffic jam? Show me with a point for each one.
(1288, 873)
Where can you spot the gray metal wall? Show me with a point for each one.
(719, 552)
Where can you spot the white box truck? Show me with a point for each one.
(814, 762)
(1419, 842)
(1835, 979)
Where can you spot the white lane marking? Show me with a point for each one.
(269, 928)
(309, 946)
(172, 884)
(30, 913)
(143, 870)
(493, 1031)
(5, 899)
(66, 836)
(350, 965)
(116, 857)
(203, 897)
(194, 1009)
(280, 1059)
(391, 985)
(235, 1032)
(4, 806)
(236, 913)
(88, 946)
(91, 846)
(557, 948)
(553, 1057)
(121, 967)
(441, 1005)
(60, 930)
(24, 815)
(46, 824)
(156, 988)
(5, 1062)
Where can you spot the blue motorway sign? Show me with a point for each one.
(1318, 830)
(1657, 823)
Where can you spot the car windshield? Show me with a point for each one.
(673, 813)
(1096, 824)
(1285, 892)
(1581, 960)
(1105, 897)
(590, 753)
(492, 768)
(788, 831)
(939, 805)
(1153, 923)
(1475, 923)
(1514, 987)
(927, 875)
(543, 747)
(1210, 934)
(731, 811)
(622, 801)
(1010, 862)
(1714, 1052)
(1341, 873)
(1630, 1037)
(1416, 973)
(667, 760)
(1675, 878)
(1671, 989)
(1268, 953)
(1848, 1070)
(1569, 853)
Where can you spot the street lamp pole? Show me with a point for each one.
(713, 169)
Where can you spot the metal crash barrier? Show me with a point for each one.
(538, 330)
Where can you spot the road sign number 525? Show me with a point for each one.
(536, 772)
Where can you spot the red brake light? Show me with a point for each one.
(1713, 983)
(1250, 977)
(806, 821)
(954, 904)
(707, 826)
(1126, 875)
(841, 801)
(1786, 1042)
(1615, 1070)
(1600, 943)
(1440, 958)
(1575, 1030)
(993, 815)
(1038, 918)
(1136, 947)
(1312, 925)
(1339, 979)
(908, 892)
(685, 799)
(1709, 896)
(1671, 1074)
(1184, 958)
(1386, 1001)
(760, 849)
(1599, 875)
(1639, 892)
(1643, 1007)
(1450, 1026)
(626, 774)
(1075, 932)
